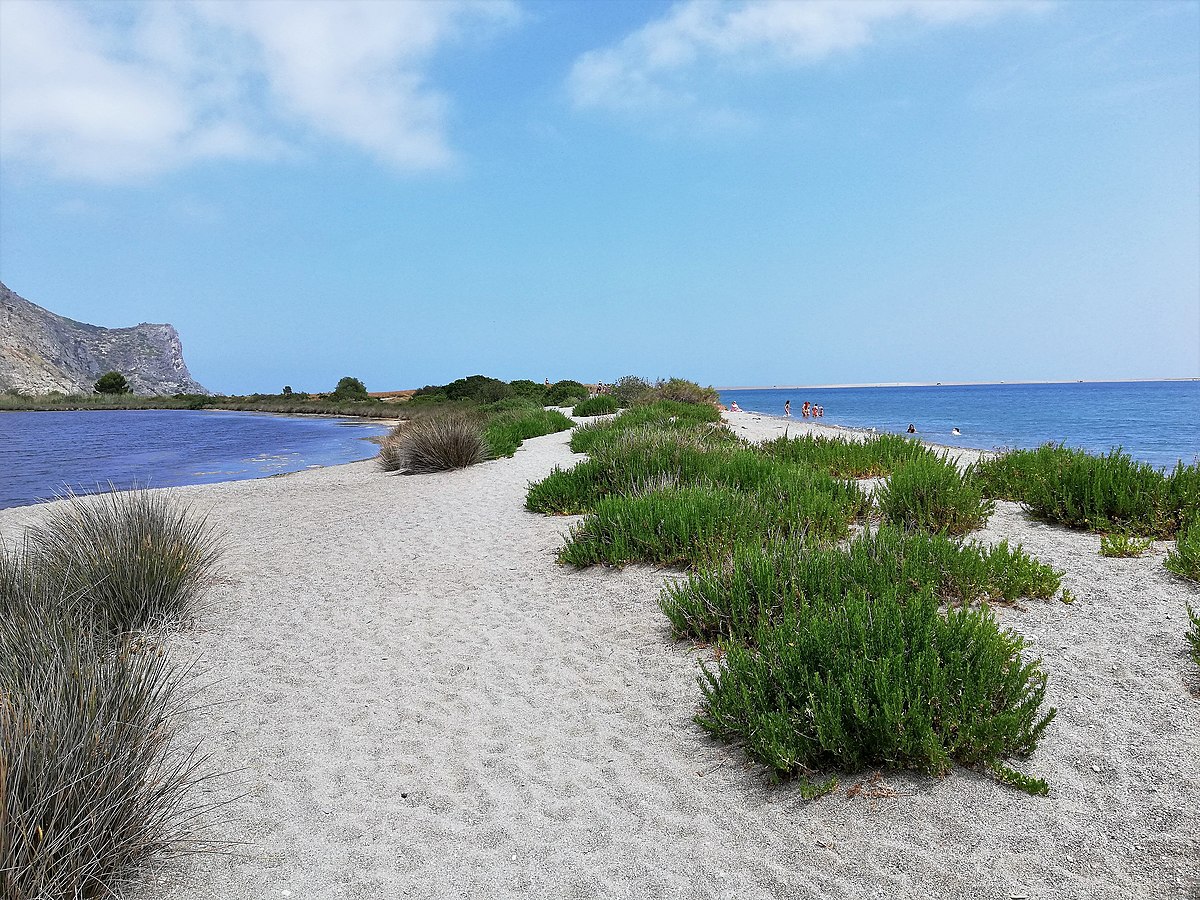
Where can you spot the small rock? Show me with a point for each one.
(1095, 768)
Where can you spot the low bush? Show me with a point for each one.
(130, 559)
(600, 405)
(506, 431)
(929, 492)
(1109, 493)
(350, 388)
(680, 390)
(662, 416)
(883, 681)
(1184, 558)
(1123, 546)
(873, 458)
(435, 443)
(566, 393)
(731, 600)
(630, 390)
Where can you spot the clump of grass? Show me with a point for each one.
(661, 415)
(1111, 493)
(873, 458)
(435, 443)
(884, 680)
(507, 430)
(729, 601)
(130, 559)
(600, 405)
(92, 781)
(1123, 546)
(1184, 559)
(929, 492)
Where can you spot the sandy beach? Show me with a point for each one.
(415, 700)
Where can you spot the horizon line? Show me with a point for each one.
(878, 384)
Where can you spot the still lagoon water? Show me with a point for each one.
(45, 453)
(1154, 421)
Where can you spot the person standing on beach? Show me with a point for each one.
(787, 408)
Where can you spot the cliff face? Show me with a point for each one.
(42, 352)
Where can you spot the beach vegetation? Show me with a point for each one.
(631, 390)
(872, 458)
(112, 383)
(130, 560)
(1184, 558)
(1123, 546)
(680, 390)
(886, 680)
(931, 493)
(93, 779)
(729, 601)
(600, 405)
(566, 393)
(1111, 493)
(524, 387)
(508, 428)
(1193, 634)
(449, 439)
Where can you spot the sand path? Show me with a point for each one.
(422, 703)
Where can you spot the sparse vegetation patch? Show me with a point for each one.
(929, 492)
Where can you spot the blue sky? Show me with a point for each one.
(762, 193)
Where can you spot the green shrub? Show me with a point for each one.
(680, 390)
(662, 416)
(1193, 636)
(566, 393)
(731, 600)
(1184, 559)
(523, 387)
(1109, 493)
(878, 456)
(1122, 546)
(630, 390)
(131, 559)
(435, 443)
(112, 383)
(506, 431)
(349, 388)
(600, 405)
(930, 492)
(884, 681)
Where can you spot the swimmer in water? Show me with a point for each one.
(955, 430)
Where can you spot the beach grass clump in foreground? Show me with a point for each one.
(930, 493)
(92, 781)
(600, 405)
(129, 559)
(872, 458)
(1111, 493)
(1184, 558)
(730, 601)
(887, 681)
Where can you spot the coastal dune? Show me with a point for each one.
(414, 699)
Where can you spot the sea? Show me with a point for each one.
(43, 454)
(1157, 422)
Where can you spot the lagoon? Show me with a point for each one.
(44, 453)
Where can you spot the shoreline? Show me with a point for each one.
(897, 384)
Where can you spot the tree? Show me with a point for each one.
(350, 389)
(112, 383)
(287, 390)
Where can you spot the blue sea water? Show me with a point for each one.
(43, 453)
(1154, 421)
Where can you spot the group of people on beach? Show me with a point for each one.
(807, 410)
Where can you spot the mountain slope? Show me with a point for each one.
(42, 352)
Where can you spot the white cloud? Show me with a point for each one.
(657, 67)
(112, 93)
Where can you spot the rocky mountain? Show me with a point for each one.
(42, 352)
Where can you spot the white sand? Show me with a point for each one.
(421, 703)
